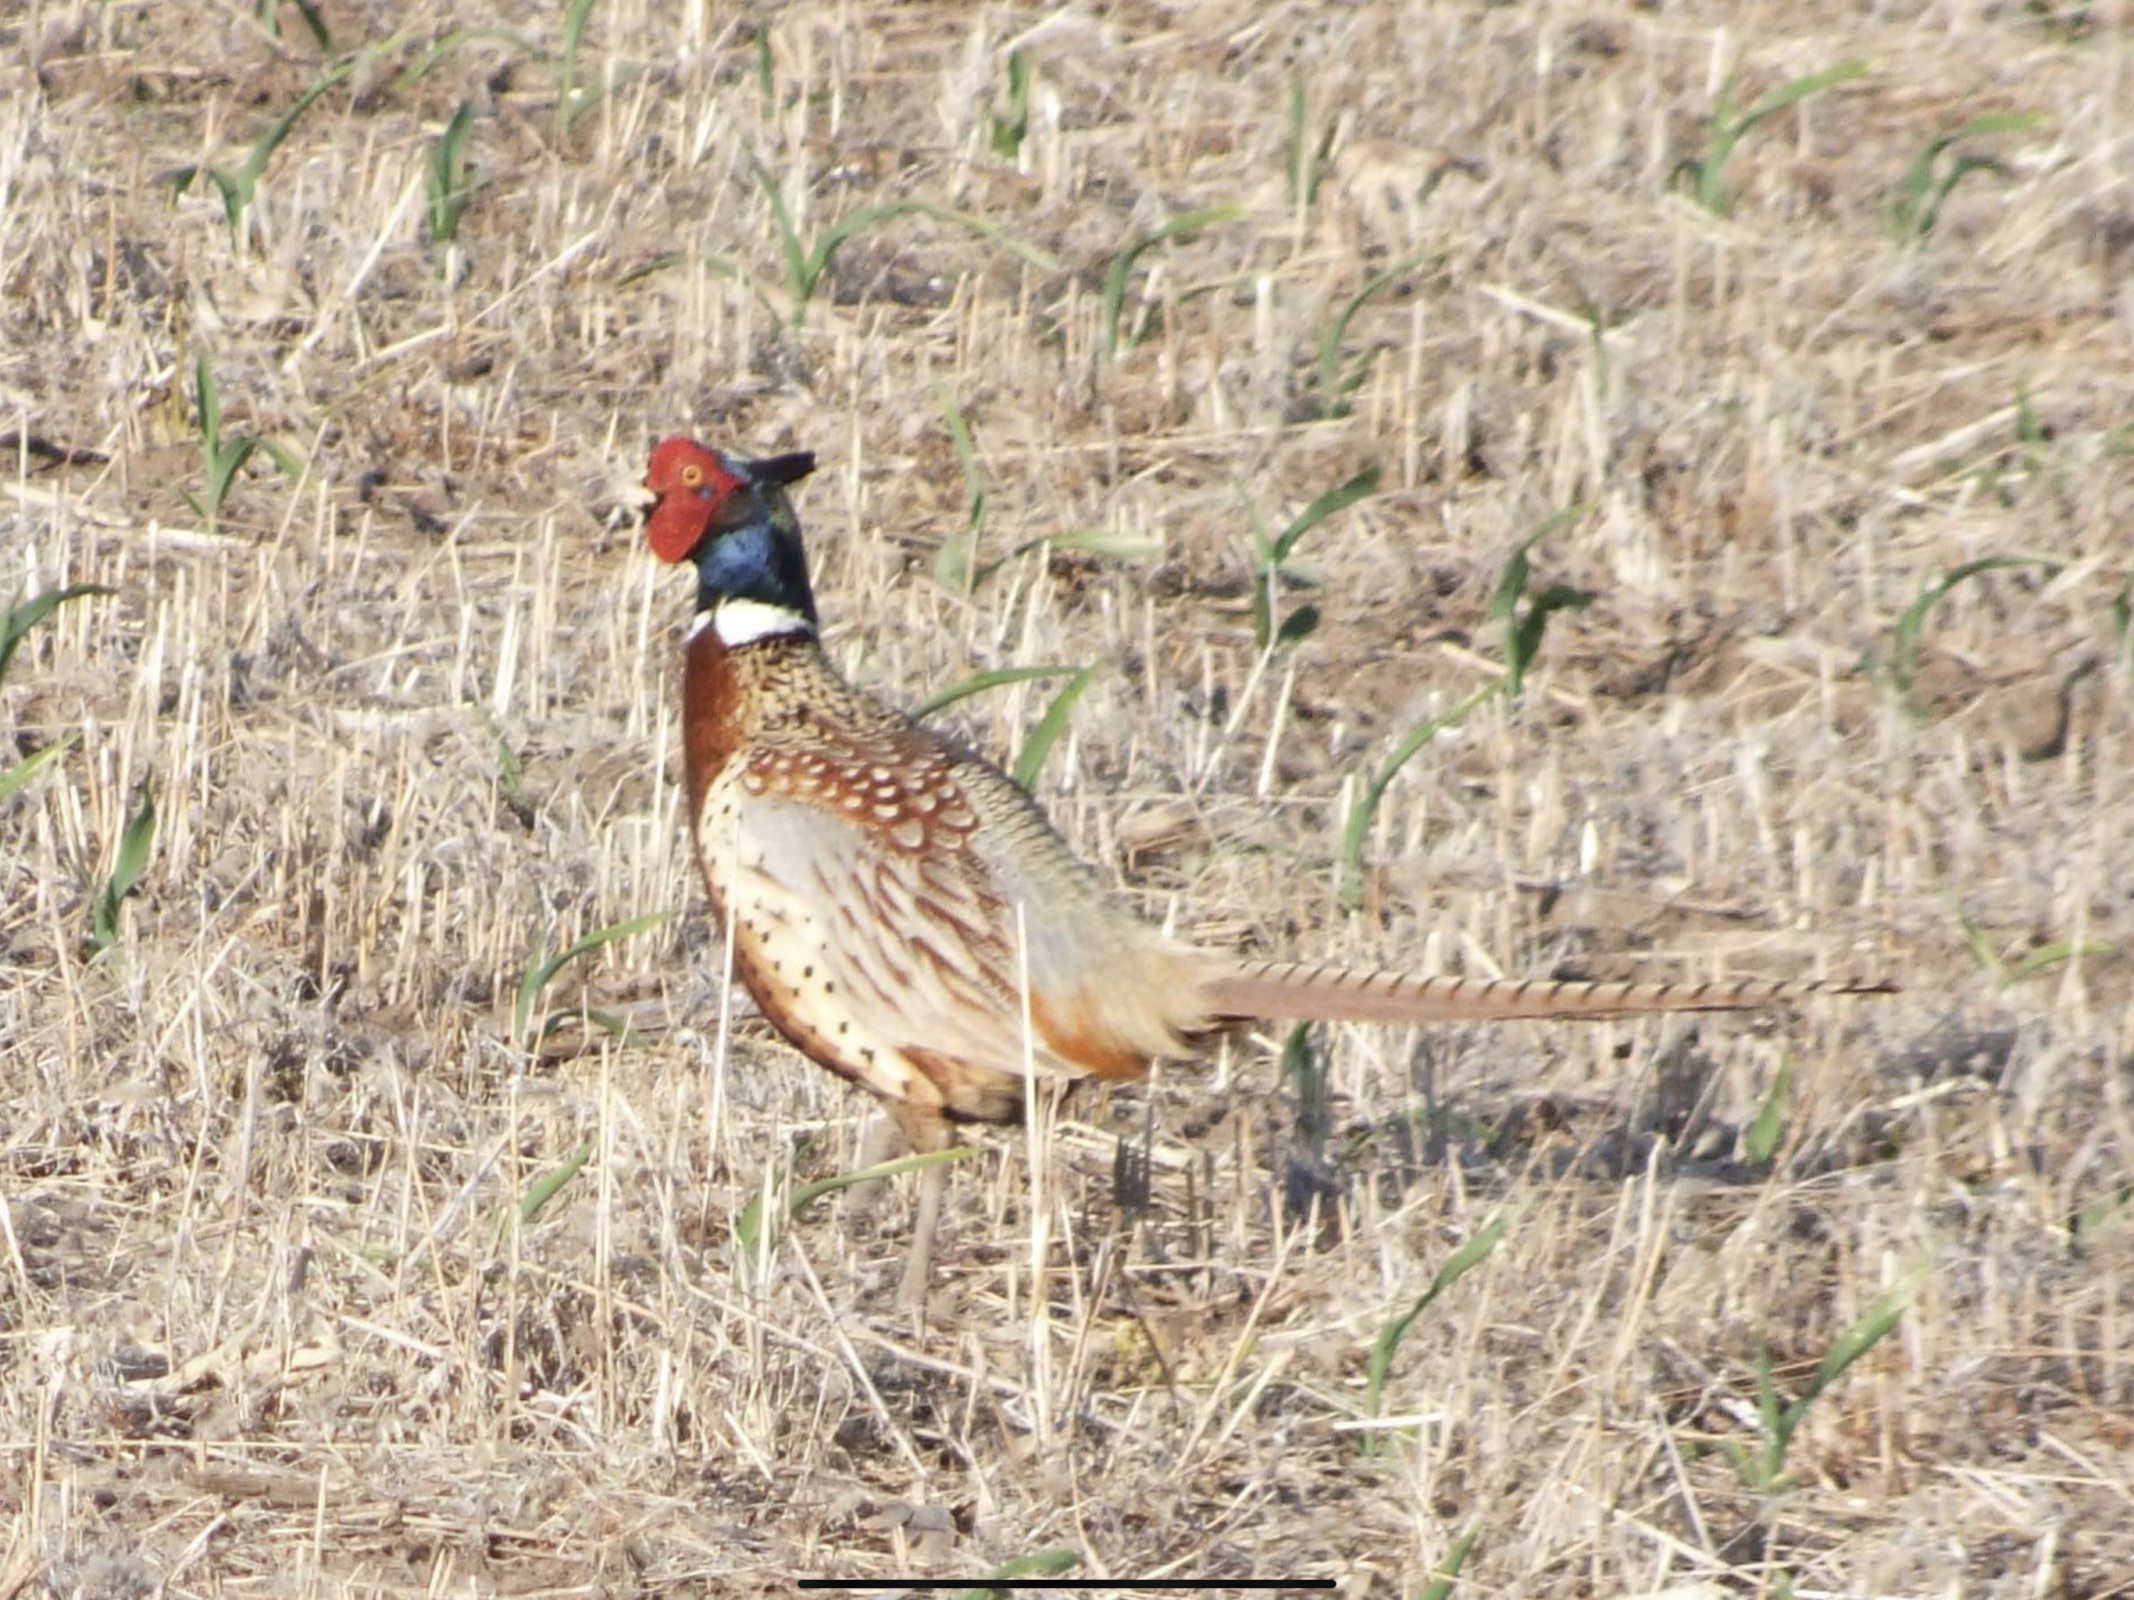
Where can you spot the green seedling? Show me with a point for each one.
(15, 624)
(450, 182)
(16, 777)
(1337, 376)
(1357, 821)
(1462, 1261)
(270, 21)
(2123, 622)
(750, 1242)
(1763, 1468)
(543, 1189)
(223, 458)
(955, 563)
(1016, 1574)
(445, 43)
(766, 75)
(1302, 156)
(2042, 959)
(134, 844)
(805, 263)
(1447, 1572)
(979, 682)
(238, 188)
(1300, 1066)
(1122, 264)
(18, 619)
(546, 1187)
(573, 99)
(1761, 1139)
(1940, 167)
(2087, 1225)
(1902, 668)
(1523, 632)
(542, 965)
(719, 266)
(1009, 128)
(510, 771)
(1030, 760)
(1105, 542)
(1270, 553)
(1706, 175)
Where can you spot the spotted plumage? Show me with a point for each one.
(904, 913)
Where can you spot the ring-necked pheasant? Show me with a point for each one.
(879, 878)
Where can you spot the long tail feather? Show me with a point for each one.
(1318, 993)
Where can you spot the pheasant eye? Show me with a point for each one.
(692, 474)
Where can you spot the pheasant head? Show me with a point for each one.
(731, 518)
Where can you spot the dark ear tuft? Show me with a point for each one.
(782, 469)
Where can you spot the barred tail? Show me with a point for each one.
(1317, 993)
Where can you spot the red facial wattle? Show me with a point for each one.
(691, 482)
(677, 523)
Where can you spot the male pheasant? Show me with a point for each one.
(889, 891)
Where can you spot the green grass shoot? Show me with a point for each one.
(1705, 175)
(1447, 1572)
(549, 1184)
(1305, 1071)
(510, 772)
(1763, 1466)
(1523, 632)
(269, 16)
(1047, 1563)
(18, 619)
(132, 860)
(2086, 1226)
(1007, 129)
(542, 965)
(450, 183)
(1336, 376)
(766, 73)
(239, 187)
(748, 1225)
(1030, 760)
(573, 99)
(1902, 669)
(979, 682)
(1940, 167)
(221, 458)
(1303, 157)
(1461, 1262)
(1271, 552)
(2043, 958)
(1122, 264)
(1356, 822)
(1760, 1141)
(806, 261)
(14, 778)
(427, 58)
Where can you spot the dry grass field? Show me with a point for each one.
(278, 1316)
